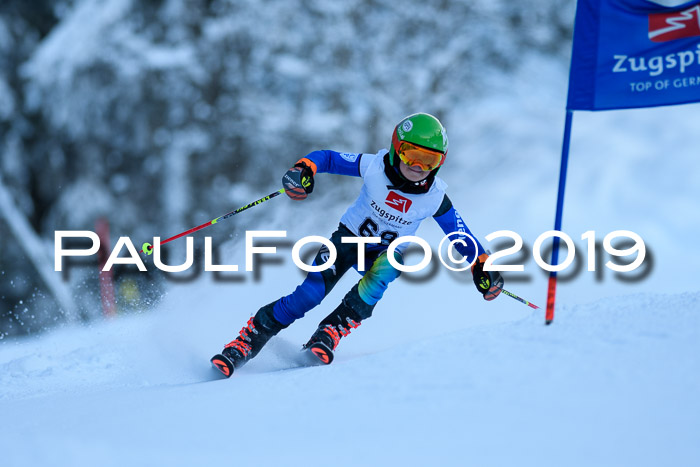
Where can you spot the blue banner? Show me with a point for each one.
(635, 53)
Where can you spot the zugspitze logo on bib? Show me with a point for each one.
(398, 202)
(664, 27)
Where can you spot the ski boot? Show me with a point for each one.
(251, 339)
(338, 324)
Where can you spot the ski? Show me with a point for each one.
(321, 351)
(223, 364)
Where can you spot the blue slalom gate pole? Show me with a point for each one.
(552, 286)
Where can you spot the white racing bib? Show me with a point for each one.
(381, 212)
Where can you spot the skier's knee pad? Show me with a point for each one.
(375, 281)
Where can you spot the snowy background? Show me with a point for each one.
(161, 115)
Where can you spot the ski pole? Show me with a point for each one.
(148, 248)
(511, 294)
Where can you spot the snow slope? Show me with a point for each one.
(615, 382)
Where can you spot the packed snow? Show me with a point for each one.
(613, 382)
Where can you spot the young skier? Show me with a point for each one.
(400, 190)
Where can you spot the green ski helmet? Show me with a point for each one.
(426, 132)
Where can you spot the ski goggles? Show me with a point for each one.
(426, 159)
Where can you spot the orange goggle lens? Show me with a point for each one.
(426, 159)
